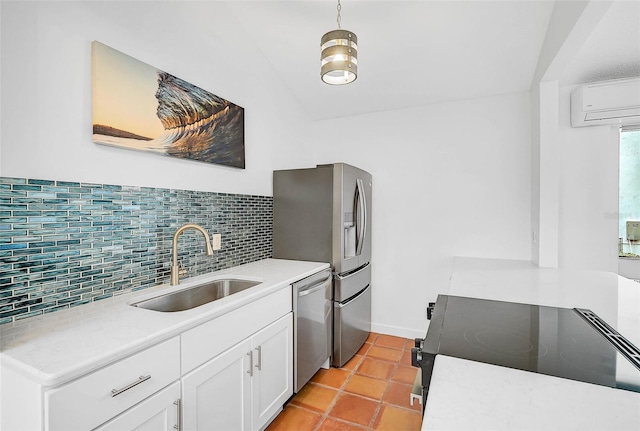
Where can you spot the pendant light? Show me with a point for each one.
(339, 55)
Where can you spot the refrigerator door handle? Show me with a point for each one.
(354, 273)
(361, 207)
(350, 300)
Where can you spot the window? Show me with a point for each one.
(629, 198)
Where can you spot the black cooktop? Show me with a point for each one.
(558, 342)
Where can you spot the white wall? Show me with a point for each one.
(569, 27)
(46, 129)
(449, 180)
(545, 152)
(588, 198)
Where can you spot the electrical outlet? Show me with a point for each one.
(216, 241)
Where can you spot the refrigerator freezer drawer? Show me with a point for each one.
(351, 326)
(347, 285)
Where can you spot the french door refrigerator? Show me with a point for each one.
(323, 214)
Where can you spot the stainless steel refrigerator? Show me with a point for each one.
(324, 214)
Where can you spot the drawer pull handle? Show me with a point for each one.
(250, 354)
(178, 404)
(259, 365)
(116, 392)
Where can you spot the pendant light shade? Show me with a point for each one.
(339, 57)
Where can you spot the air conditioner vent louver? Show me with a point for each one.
(607, 102)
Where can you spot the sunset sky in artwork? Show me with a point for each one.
(124, 92)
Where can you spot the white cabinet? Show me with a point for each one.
(217, 395)
(234, 372)
(206, 341)
(272, 382)
(97, 397)
(160, 412)
(244, 387)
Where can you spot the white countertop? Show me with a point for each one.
(57, 347)
(614, 298)
(468, 395)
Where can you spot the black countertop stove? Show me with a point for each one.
(568, 343)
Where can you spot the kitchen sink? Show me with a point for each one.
(195, 296)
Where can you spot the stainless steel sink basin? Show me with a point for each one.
(195, 296)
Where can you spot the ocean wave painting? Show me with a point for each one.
(138, 107)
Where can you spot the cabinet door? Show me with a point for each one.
(273, 369)
(217, 395)
(157, 413)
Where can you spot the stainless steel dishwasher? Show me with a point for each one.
(312, 327)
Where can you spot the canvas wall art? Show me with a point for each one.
(139, 107)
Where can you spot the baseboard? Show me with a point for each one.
(398, 331)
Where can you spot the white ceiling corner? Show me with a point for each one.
(612, 51)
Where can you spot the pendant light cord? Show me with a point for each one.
(339, 17)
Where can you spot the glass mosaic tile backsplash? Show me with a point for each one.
(63, 244)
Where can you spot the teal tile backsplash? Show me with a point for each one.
(63, 243)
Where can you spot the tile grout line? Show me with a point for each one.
(342, 391)
(388, 381)
(379, 407)
(338, 394)
(380, 403)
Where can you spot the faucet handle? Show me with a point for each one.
(181, 270)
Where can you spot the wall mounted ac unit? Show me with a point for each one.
(633, 230)
(606, 102)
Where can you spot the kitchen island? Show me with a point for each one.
(468, 395)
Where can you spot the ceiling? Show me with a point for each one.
(413, 53)
(613, 48)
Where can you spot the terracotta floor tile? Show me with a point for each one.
(366, 386)
(375, 368)
(405, 374)
(334, 377)
(371, 389)
(295, 419)
(352, 408)
(406, 358)
(390, 341)
(315, 397)
(352, 363)
(392, 418)
(410, 344)
(398, 394)
(364, 349)
(392, 355)
(330, 424)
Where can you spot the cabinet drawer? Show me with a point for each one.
(212, 338)
(88, 402)
(159, 412)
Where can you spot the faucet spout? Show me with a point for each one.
(175, 269)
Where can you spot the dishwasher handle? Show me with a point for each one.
(314, 288)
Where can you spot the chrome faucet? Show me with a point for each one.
(175, 268)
